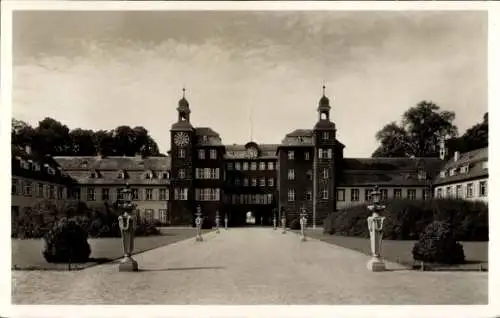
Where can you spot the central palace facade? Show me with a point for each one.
(306, 170)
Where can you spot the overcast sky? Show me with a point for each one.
(99, 70)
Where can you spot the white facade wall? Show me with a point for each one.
(452, 192)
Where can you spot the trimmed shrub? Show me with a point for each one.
(406, 219)
(66, 242)
(437, 244)
(295, 224)
(145, 229)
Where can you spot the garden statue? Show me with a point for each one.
(375, 226)
(198, 222)
(217, 220)
(225, 222)
(303, 223)
(126, 222)
(274, 221)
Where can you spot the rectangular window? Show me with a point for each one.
(440, 193)
(135, 193)
(306, 155)
(442, 174)
(262, 182)
(149, 194)
(329, 153)
(52, 192)
(245, 182)
(28, 188)
(291, 174)
(324, 173)
(237, 166)
(181, 153)
(483, 189)
(165, 195)
(340, 195)
(384, 194)
(181, 194)
(213, 154)
(76, 193)
(291, 195)
(411, 194)
(163, 215)
(254, 182)
(60, 193)
(309, 175)
(253, 166)
(470, 190)
(119, 193)
(397, 194)
(291, 155)
(452, 172)
(105, 194)
(421, 174)
(309, 195)
(182, 173)
(464, 169)
(90, 194)
(39, 190)
(237, 181)
(320, 153)
(355, 195)
(262, 166)
(15, 186)
(425, 194)
(201, 154)
(324, 194)
(326, 135)
(245, 165)
(270, 165)
(270, 182)
(368, 194)
(448, 192)
(458, 191)
(230, 166)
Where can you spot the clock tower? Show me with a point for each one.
(324, 141)
(182, 133)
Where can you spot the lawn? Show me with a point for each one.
(27, 254)
(476, 253)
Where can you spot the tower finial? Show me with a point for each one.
(183, 92)
(324, 90)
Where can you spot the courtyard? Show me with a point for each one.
(250, 266)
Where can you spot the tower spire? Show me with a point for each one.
(324, 87)
(183, 92)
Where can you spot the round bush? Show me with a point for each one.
(295, 224)
(65, 242)
(437, 244)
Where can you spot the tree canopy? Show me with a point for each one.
(53, 138)
(420, 131)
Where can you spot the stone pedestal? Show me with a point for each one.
(128, 264)
(376, 265)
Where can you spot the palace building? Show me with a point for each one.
(307, 170)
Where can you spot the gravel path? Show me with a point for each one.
(249, 266)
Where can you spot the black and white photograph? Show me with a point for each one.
(247, 157)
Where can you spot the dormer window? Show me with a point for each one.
(37, 167)
(442, 174)
(164, 175)
(94, 175)
(204, 138)
(452, 172)
(122, 175)
(149, 175)
(485, 164)
(84, 164)
(325, 135)
(464, 169)
(422, 175)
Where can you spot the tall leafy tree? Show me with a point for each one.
(418, 134)
(83, 142)
(52, 137)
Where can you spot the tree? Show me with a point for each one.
(52, 137)
(419, 133)
(83, 142)
(474, 138)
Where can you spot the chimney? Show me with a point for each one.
(442, 149)
(457, 155)
(27, 149)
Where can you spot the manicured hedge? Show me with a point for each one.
(407, 219)
(437, 244)
(66, 242)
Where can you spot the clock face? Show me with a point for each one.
(181, 139)
(252, 152)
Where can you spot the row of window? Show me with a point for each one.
(207, 194)
(252, 198)
(30, 165)
(212, 154)
(181, 154)
(148, 175)
(411, 194)
(252, 165)
(148, 194)
(261, 182)
(42, 190)
(324, 174)
(322, 154)
(460, 170)
(482, 190)
(150, 215)
(207, 173)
